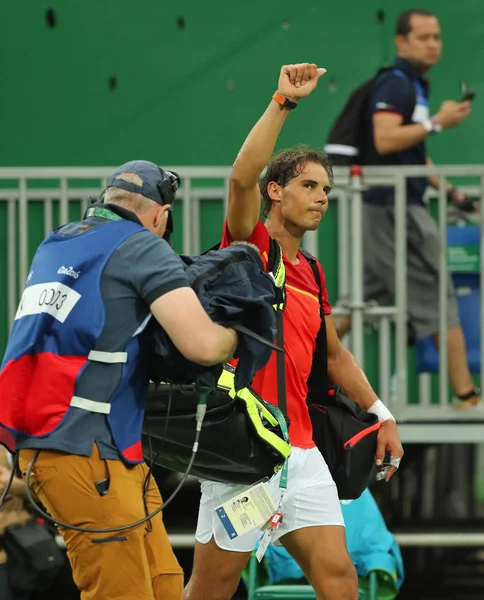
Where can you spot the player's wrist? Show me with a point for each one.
(284, 101)
(381, 411)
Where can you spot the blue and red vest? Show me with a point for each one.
(55, 335)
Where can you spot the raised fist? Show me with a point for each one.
(298, 81)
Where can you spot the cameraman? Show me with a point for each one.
(74, 380)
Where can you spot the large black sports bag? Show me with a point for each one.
(243, 438)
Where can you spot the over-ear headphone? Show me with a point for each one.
(167, 187)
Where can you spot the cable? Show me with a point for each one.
(152, 461)
(200, 415)
(150, 448)
(4, 495)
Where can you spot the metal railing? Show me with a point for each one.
(21, 186)
(450, 539)
(396, 177)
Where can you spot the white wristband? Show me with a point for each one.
(381, 411)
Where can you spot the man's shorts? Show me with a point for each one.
(311, 499)
(423, 256)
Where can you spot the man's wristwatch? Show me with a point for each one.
(284, 102)
(432, 126)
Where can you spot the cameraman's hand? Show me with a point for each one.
(452, 113)
(18, 485)
(4, 477)
(298, 81)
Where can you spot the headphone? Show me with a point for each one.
(167, 187)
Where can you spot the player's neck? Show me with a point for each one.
(289, 238)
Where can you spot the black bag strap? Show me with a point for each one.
(275, 256)
(318, 378)
(280, 365)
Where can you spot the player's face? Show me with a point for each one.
(304, 200)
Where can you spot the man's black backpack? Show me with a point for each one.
(346, 143)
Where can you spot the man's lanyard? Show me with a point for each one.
(284, 474)
(103, 213)
(285, 466)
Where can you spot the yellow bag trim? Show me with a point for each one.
(279, 275)
(256, 411)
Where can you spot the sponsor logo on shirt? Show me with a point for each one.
(69, 271)
(384, 106)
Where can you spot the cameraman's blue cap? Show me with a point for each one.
(150, 174)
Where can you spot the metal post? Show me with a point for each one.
(64, 202)
(23, 235)
(384, 352)
(424, 389)
(47, 216)
(226, 195)
(310, 242)
(481, 282)
(343, 245)
(443, 283)
(401, 290)
(196, 224)
(12, 261)
(187, 216)
(85, 203)
(357, 304)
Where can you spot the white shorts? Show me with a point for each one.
(311, 499)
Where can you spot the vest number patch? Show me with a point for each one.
(54, 298)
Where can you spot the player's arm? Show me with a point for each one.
(295, 82)
(343, 370)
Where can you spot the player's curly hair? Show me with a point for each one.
(287, 164)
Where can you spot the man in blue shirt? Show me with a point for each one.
(399, 122)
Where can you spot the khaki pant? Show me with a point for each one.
(136, 564)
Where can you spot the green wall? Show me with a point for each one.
(182, 83)
(189, 95)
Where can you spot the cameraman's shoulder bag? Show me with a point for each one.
(33, 556)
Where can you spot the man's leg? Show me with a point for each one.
(218, 561)
(312, 528)
(378, 254)
(311, 502)
(111, 565)
(166, 573)
(216, 572)
(459, 373)
(423, 298)
(322, 554)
